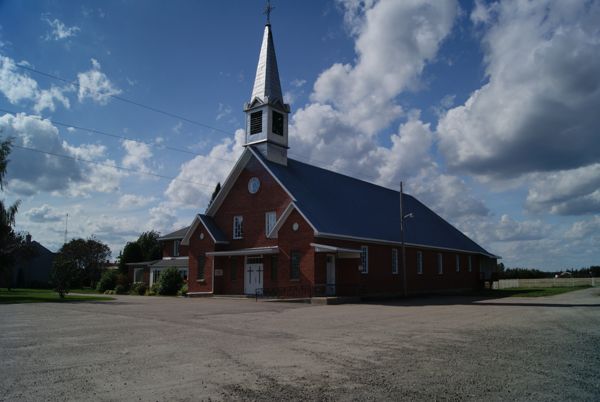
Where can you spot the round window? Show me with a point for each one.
(295, 226)
(253, 185)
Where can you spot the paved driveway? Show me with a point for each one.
(453, 348)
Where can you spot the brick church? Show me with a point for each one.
(282, 227)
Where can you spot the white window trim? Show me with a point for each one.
(269, 225)
(395, 261)
(365, 266)
(440, 264)
(240, 219)
(176, 244)
(419, 263)
(457, 258)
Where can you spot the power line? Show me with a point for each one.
(109, 165)
(104, 133)
(132, 102)
(164, 112)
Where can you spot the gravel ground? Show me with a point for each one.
(443, 348)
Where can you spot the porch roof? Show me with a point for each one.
(341, 251)
(181, 262)
(245, 251)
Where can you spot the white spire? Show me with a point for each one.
(267, 87)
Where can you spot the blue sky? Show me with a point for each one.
(484, 109)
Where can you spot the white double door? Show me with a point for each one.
(253, 278)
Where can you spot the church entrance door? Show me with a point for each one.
(253, 275)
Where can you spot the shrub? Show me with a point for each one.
(170, 282)
(154, 289)
(138, 289)
(183, 291)
(108, 281)
(109, 292)
(120, 289)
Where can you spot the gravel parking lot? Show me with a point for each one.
(442, 348)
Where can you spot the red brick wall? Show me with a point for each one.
(196, 248)
(167, 249)
(270, 197)
(380, 278)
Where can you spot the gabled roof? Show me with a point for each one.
(340, 206)
(211, 227)
(178, 234)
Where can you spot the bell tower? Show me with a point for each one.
(266, 113)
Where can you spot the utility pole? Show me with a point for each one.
(66, 227)
(402, 240)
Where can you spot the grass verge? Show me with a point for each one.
(42, 296)
(85, 291)
(529, 292)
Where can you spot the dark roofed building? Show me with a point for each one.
(34, 266)
(280, 225)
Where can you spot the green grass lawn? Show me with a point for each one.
(86, 291)
(528, 292)
(42, 296)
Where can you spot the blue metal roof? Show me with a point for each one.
(212, 227)
(342, 205)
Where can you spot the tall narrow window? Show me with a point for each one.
(295, 265)
(394, 261)
(138, 275)
(201, 264)
(457, 263)
(364, 259)
(470, 264)
(270, 218)
(277, 123)
(233, 269)
(256, 122)
(274, 262)
(440, 267)
(176, 248)
(238, 227)
(419, 263)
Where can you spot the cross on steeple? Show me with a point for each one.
(267, 12)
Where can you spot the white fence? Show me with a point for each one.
(545, 283)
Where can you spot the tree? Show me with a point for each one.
(10, 242)
(132, 252)
(149, 245)
(88, 256)
(145, 248)
(215, 193)
(64, 275)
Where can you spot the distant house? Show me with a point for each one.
(33, 267)
(174, 255)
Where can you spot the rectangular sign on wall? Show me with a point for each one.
(218, 272)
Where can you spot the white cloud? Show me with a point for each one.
(394, 42)
(137, 155)
(538, 110)
(32, 172)
(19, 87)
(585, 229)
(59, 30)
(568, 192)
(223, 111)
(196, 180)
(95, 85)
(45, 213)
(129, 201)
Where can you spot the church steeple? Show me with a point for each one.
(266, 113)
